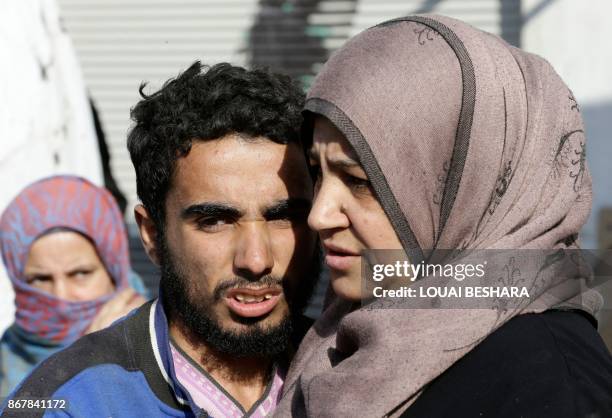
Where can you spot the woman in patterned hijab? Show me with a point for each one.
(65, 249)
(431, 135)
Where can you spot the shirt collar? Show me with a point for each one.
(160, 341)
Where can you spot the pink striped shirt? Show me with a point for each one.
(210, 396)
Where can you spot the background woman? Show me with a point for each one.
(429, 134)
(65, 249)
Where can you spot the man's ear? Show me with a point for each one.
(148, 232)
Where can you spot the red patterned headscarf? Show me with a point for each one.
(61, 202)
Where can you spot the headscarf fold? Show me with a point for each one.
(61, 202)
(469, 143)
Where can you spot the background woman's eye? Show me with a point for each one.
(315, 173)
(37, 279)
(82, 273)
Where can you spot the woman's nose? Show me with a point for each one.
(326, 212)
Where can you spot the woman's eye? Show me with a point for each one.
(358, 184)
(315, 172)
(37, 279)
(315, 169)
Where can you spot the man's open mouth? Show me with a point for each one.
(250, 303)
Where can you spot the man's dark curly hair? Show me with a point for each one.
(202, 104)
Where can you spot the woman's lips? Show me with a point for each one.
(338, 258)
(251, 303)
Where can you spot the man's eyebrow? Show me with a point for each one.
(212, 209)
(281, 207)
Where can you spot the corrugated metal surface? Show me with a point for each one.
(123, 42)
(502, 17)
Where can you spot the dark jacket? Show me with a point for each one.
(122, 371)
(125, 370)
(549, 365)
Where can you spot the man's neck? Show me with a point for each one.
(244, 378)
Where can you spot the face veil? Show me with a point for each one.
(70, 203)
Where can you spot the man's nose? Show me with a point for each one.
(326, 212)
(254, 256)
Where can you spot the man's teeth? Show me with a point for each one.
(252, 299)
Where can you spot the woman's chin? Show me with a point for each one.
(347, 288)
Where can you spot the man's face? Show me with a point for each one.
(236, 245)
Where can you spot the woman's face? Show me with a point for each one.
(345, 212)
(66, 265)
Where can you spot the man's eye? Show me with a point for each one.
(211, 224)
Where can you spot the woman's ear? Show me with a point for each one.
(148, 232)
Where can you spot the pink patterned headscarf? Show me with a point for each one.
(61, 202)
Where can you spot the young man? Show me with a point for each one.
(225, 192)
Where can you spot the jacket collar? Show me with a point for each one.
(160, 345)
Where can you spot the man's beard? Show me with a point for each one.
(198, 321)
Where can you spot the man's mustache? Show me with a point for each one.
(263, 282)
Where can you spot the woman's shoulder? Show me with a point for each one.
(564, 332)
(567, 340)
(552, 364)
